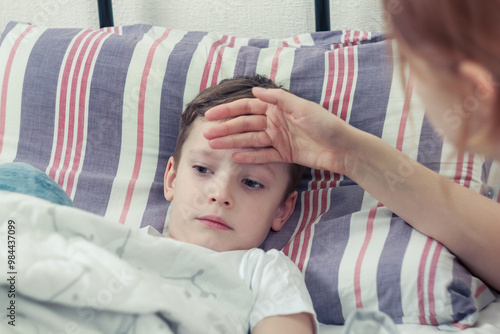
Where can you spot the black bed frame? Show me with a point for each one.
(105, 13)
(321, 9)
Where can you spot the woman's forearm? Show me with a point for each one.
(286, 128)
(467, 223)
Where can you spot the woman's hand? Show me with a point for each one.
(282, 128)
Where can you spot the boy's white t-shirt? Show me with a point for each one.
(275, 281)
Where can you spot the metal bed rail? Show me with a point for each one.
(322, 14)
(105, 13)
(321, 10)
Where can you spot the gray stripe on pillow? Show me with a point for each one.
(322, 274)
(104, 132)
(173, 87)
(389, 269)
(39, 97)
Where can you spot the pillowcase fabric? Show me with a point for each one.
(98, 111)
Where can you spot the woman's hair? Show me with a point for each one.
(226, 91)
(447, 32)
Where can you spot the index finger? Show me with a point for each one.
(249, 106)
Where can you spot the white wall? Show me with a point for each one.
(243, 18)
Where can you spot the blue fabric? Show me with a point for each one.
(23, 178)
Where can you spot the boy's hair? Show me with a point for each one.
(226, 91)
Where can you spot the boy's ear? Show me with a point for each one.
(169, 180)
(284, 211)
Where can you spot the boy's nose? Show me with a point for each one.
(225, 202)
(221, 194)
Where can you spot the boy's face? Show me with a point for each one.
(222, 205)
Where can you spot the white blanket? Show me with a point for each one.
(73, 272)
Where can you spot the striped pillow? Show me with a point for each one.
(98, 110)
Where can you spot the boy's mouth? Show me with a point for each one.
(214, 222)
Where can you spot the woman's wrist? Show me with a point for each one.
(366, 155)
(346, 151)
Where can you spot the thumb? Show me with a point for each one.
(267, 95)
(284, 100)
(277, 96)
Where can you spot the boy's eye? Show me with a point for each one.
(252, 184)
(202, 170)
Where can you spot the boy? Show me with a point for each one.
(230, 208)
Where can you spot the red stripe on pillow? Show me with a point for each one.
(78, 76)
(349, 82)
(340, 83)
(480, 290)
(420, 281)
(330, 80)
(208, 64)
(404, 116)
(140, 126)
(85, 86)
(275, 63)
(470, 167)
(218, 62)
(5, 84)
(432, 281)
(361, 256)
(63, 95)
